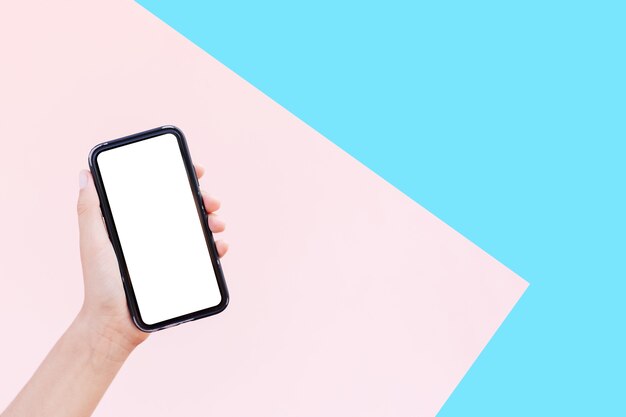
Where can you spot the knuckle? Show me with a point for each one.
(83, 207)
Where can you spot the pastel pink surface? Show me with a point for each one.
(347, 298)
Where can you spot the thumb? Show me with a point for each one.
(93, 234)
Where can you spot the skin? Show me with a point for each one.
(80, 367)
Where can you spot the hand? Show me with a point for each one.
(104, 307)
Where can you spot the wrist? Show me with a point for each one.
(105, 339)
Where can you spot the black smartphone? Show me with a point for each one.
(153, 210)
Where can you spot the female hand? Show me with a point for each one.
(72, 379)
(104, 307)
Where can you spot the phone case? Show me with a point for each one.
(110, 225)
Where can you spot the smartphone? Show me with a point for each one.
(156, 220)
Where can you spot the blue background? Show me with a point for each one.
(506, 120)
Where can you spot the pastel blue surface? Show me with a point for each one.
(505, 119)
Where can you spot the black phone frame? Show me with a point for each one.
(113, 236)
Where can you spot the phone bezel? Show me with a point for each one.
(110, 225)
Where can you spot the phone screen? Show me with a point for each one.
(159, 228)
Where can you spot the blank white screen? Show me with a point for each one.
(159, 228)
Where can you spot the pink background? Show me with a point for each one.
(347, 298)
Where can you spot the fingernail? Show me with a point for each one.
(82, 179)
